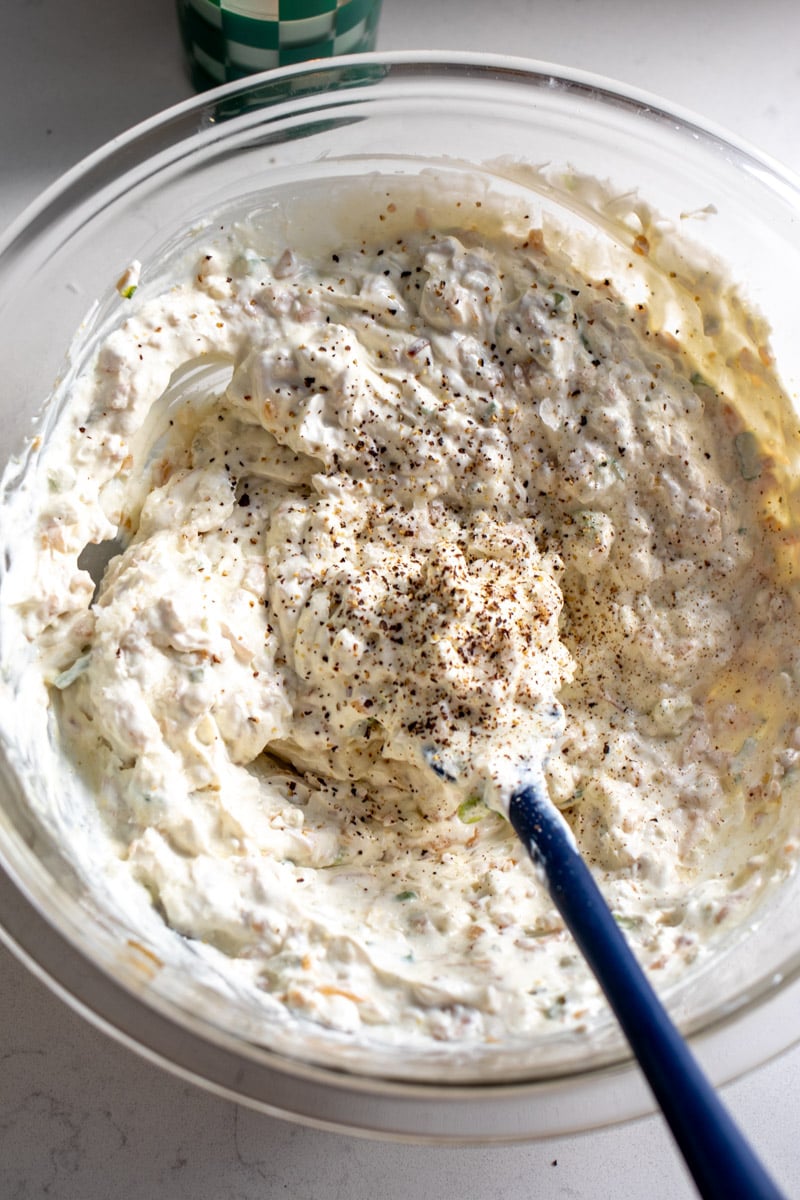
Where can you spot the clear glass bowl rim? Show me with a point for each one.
(315, 1095)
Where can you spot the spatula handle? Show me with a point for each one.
(721, 1161)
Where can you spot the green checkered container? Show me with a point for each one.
(229, 39)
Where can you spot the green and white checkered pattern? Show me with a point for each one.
(228, 39)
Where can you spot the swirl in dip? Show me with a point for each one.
(382, 520)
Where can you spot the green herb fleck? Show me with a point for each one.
(589, 523)
(335, 862)
(626, 922)
(746, 446)
(127, 292)
(614, 465)
(403, 896)
(69, 676)
(472, 810)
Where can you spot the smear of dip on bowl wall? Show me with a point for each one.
(381, 451)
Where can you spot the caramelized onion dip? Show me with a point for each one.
(326, 534)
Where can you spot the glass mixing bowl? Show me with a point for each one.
(290, 133)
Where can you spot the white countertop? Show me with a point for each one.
(82, 1117)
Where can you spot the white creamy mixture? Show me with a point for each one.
(391, 521)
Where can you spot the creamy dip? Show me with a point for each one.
(383, 524)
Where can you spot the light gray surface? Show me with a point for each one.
(83, 1118)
